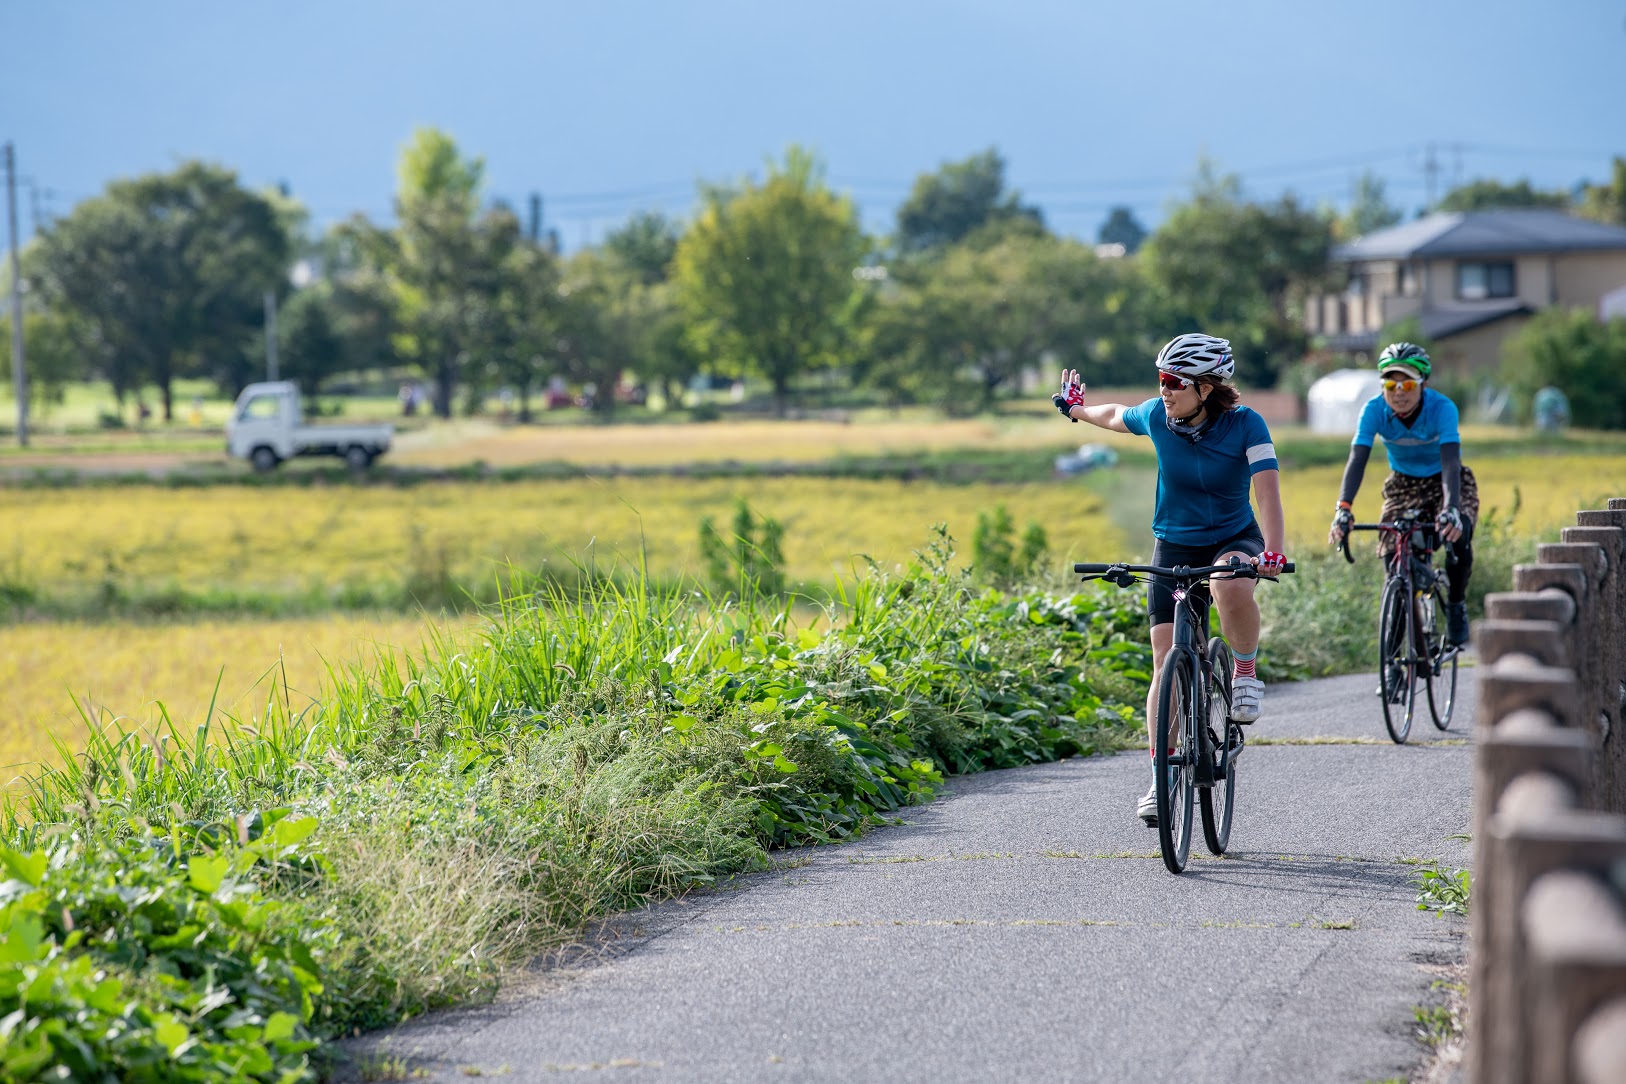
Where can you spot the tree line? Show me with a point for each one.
(165, 277)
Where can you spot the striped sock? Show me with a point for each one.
(1244, 663)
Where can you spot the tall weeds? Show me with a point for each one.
(483, 799)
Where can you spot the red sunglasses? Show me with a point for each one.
(1173, 382)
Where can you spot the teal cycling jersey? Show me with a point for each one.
(1413, 449)
(1202, 484)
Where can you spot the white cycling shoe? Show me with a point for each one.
(1247, 698)
(1146, 808)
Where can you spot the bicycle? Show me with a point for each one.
(1412, 641)
(1194, 694)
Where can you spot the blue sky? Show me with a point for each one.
(607, 107)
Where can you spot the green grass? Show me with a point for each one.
(436, 819)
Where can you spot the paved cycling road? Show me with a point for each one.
(1023, 928)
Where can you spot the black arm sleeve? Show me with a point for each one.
(1354, 470)
(1451, 473)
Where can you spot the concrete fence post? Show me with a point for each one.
(1609, 640)
(1577, 935)
(1600, 1045)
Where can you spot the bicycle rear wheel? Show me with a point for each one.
(1441, 677)
(1176, 699)
(1397, 677)
(1218, 800)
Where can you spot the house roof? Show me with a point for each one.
(1484, 233)
(1440, 324)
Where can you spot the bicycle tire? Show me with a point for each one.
(1442, 671)
(1218, 802)
(1397, 677)
(1175, 698)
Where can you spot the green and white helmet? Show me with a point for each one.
(1410, 355)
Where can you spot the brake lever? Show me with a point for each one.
(1343, 547)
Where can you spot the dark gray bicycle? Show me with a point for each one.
(1193, 705)
(1412, 645)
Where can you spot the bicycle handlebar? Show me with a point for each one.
(1179, 572)
(1399, 527)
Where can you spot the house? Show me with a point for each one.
(1471, 279)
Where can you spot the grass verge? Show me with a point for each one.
(216, 907)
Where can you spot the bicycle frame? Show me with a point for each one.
(1403, 530)
(1191, 631)
(1412, 586)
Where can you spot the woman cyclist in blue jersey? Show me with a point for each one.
(1209, 450)
(1419, 430)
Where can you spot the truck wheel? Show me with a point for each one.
(357, 458)
(264, 459)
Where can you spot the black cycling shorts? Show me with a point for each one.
(1160, 592)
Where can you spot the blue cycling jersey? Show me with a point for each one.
(1413, 449)
(1202, 485)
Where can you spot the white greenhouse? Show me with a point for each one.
(1335, 401)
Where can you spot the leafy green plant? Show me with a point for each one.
(1436, 1024)
(1000, 560)
(157, 956)
(750, 562)
(1443, 890)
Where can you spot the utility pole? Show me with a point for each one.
(270, 334)
(536, 217)
(1431, 170)
(19, 373)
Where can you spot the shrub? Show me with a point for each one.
(997, 558)
(1572, 350)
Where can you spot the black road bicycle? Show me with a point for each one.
(1413, 645)
(1198, 744)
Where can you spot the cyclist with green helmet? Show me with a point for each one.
(1419, 430)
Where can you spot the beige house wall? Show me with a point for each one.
(1584, 277)
(1571, 279)
(1533, 279)
(1475, 352)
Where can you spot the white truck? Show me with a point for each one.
(267, 426)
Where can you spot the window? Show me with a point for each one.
(261, 408)
(1477, 281)
(1405, 280)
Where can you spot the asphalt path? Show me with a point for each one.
(1022, 927)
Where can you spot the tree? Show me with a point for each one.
(970, 323)
(1583, 357)
(639, 257)
(1606, 202)
(1235, 268)
(766, 274)
(169, 270)
(57, 349)
(521, 340)
(645, 246)
(1122, 228)
(1487, 195)
(443, 261)
(1369, 211)
(946, 206)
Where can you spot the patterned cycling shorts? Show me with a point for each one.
(1403, 491)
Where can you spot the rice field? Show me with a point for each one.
(747, 441)
(321, 540)
(121, 672)
(291, 539)
(1546, 490)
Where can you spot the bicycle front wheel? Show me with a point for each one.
(1176, 755)
(1441, 676)
(1397, 677)
(1217, 801)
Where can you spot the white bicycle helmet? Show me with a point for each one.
(1195, 354)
